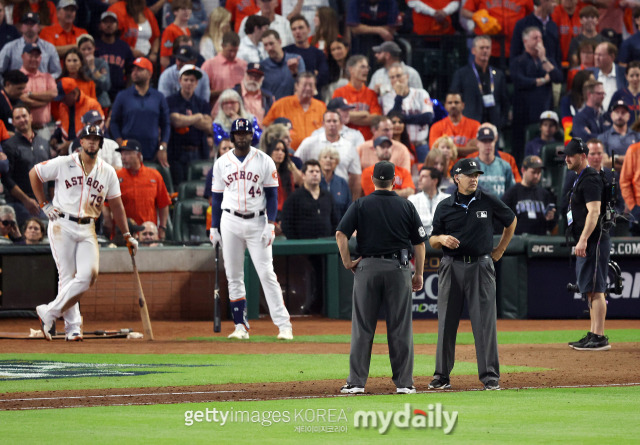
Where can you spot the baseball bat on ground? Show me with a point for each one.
(142, 302)
(216, 295)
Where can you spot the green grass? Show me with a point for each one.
(589, 415)
(208, 369)
(464, 338)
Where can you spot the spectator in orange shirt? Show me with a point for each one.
(182, 11)
(138, 27)
(144, 194)
(64, 34)
(73, 66)
(462, 129)
(400, 155)
(566, 16)
(506, 14)
(240, 9)
(402, 183)
(432, 17)
(74, 105)
(359, 95)
(304, 112)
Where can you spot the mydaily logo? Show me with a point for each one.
(434, 417)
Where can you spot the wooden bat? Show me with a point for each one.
(144, 311)
(216, 296)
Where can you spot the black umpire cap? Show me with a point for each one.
(575, 146)
(384, 170)
(466, 167)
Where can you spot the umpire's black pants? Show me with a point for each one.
(381, 282)
(475, 282)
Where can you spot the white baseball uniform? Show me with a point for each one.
(417, 101)
(74, 245)
(242, 185)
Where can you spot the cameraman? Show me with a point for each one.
(593, 244)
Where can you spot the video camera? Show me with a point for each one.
(615, 274)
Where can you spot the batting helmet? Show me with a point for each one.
(91, 130)
(240, 126)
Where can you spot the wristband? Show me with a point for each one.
(162, 227)
(126, 235)
(43, 203)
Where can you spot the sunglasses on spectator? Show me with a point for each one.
(8, 222)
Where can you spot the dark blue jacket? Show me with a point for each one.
(550, 38)
(589, 119)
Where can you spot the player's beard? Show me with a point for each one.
(92, 154)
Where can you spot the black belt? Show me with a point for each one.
(75, 219)
(468, 259)
(388, 256)
(245, 215)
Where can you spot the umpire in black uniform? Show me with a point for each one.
(584, 217)
(387, 226)
(463, 228)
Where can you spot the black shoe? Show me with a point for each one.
(595, 343)
(492, 385)
(439, 383)
(582, 341)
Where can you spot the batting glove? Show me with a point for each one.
(268, 234)
(52, 212)
(215, 236)
(132, 244)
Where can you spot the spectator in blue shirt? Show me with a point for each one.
(314, 59)
(619, 136)
(630, 48)
(549, 124)
(190, 124)
(532, 74)
(141, 112)
(280, 68)
(371, 22)
(7, 32)
(329, 159)
(115, 51)
(589, 122)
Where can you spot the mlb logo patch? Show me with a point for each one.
(481, 214)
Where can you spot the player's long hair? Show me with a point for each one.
(221, 118)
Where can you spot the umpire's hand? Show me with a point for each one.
(416, 282)
(351, 265)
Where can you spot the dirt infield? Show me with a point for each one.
(567, 367)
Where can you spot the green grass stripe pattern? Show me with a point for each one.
(208, 369)
(537, 416)
(464, 338)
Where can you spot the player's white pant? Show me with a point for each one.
(238, 234)
(75, 251)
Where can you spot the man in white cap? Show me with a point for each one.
(549, 124)
(169, 82)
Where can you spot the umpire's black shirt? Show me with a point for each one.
(469, 219)
(386, 223)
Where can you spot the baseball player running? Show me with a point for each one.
(244, 188)
(83, 182)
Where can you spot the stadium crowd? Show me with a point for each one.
(330, 89)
